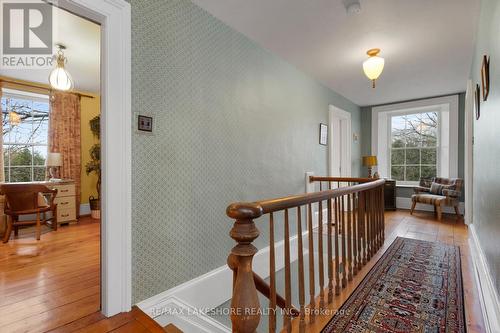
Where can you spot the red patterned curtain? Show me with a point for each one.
(64, 136)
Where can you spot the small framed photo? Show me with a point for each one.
(323, 134)
(485, 77)
(144, 123)
(478, 102)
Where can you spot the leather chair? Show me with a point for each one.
(28, 199)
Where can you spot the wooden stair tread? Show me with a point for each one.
(171, 328)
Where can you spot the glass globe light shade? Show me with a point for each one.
(59, 77)
(373, 67)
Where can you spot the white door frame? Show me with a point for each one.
(116, 137)
(469, 151)
(346, 133)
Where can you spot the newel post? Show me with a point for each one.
(245, 307)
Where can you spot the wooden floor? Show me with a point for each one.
(49, 283)
(423, 226)
(53, 285)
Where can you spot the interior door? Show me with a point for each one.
(340, 143)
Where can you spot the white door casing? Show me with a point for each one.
(339, 152)
(116, 221)
(469, 151)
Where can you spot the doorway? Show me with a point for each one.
(114, 18)
(339, 142)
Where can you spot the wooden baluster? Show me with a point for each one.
(320, 256)
(354, 234)
(344, 259)
(245, 299)
(382, 212)
(272, 277)
(301, 271)
(329, 252)
(320, 186)
(337, 262)
(369, 225)
(349, 238)
(287, 324)
(379, 218)
(362, 225)
(311, 263)
(373, 221)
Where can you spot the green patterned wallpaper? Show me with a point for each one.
(232, 122)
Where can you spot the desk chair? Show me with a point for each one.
(28, 199)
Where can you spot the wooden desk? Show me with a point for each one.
(65, 200)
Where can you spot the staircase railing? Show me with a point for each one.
(354, 232)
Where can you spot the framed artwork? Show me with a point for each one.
(485, 77)
(145, 123)
(478, 102)
(323, 134)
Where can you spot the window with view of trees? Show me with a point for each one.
(25, 128)
(414, 146)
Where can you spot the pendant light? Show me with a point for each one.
(374, 65)
(59, 78)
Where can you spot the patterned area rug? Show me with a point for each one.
(416, 286)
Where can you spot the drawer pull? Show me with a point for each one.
(64, 191)
(64, 215)
(64, 203)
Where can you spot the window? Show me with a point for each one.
(417, 139)
(25, 128)
(414, 146)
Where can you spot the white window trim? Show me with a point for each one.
(32, 97)
(448, 157)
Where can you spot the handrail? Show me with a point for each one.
(341, 179)
(258, 208)
(354, 232)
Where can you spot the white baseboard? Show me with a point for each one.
(212, 289)
(405, 203)
(85, 209)
(489, 300)
(187, 318)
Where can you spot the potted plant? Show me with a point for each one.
(94, 166)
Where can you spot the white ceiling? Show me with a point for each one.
(82, 39)
(427, 44)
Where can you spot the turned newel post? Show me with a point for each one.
(245, 307)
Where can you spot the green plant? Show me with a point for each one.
(94, 165)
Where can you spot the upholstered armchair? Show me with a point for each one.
(439, 192)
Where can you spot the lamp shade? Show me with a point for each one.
(53, 160)
(369, 161)
(59, 77)
(373, 67)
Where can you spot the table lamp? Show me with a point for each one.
(53, 162)
(370, 162)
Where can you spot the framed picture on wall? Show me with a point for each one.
(323, 134)
(485, 77)
(477, 102)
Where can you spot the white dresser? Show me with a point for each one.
(65, 200)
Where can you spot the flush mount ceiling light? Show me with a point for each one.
(374, 65)
(59, 78)
(352, 7)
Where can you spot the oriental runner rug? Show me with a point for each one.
(416, 286)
